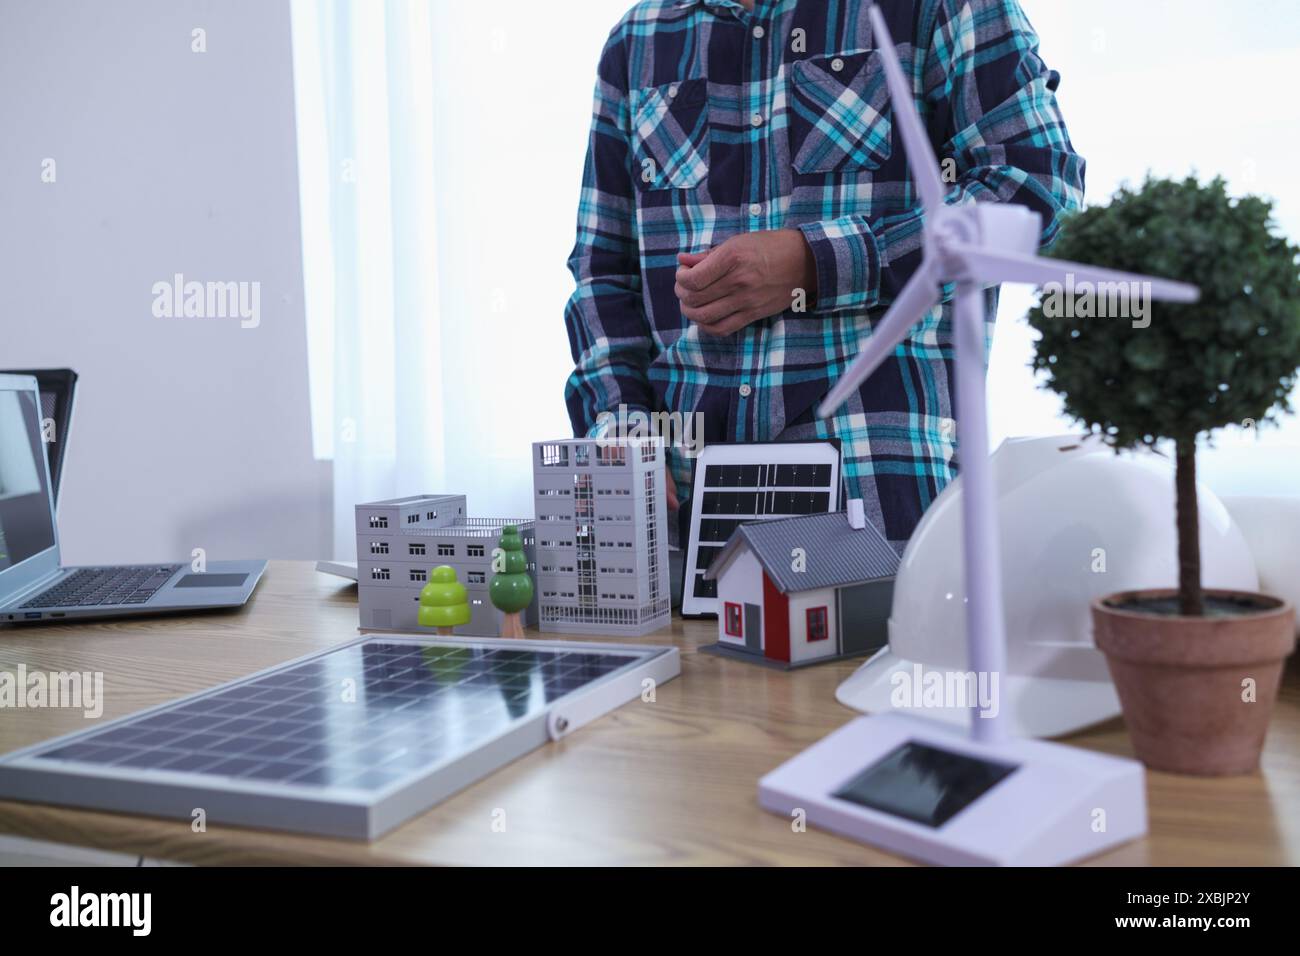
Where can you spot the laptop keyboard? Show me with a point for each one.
(105, 587)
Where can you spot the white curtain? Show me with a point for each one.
(364, 80)
(440, 150)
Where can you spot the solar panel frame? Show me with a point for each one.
(31, 775)
(767, 470)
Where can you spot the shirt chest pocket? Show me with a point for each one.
(840, 115)
(670, 135)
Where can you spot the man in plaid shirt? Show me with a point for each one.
(746, 215)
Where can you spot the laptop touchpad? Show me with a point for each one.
(211, 581)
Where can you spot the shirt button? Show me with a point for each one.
(756, 119)
(672, 90)
(756, 209)
(759, 33)
(746, 391)
(837, 64)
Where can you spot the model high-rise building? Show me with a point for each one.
(602, 536)
(400, 541)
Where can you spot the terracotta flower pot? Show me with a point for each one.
(1183, 681)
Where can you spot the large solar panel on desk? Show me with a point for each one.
(349, 742)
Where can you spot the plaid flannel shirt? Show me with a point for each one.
(712, 121)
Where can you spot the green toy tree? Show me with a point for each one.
(443, 602)
(511, 589)
(1179, 371)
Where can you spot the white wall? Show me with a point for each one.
(741, 583)
(188, 432)
(801, 649)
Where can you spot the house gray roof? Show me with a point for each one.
(836, 554)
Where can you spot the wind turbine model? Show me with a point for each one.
(910, 784)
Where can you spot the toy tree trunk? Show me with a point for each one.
(445, 631)
(511, 625)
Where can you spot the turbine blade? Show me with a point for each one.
(993, 265)
(918, 297)
(920, 154)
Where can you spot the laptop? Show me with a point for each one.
(34, 586)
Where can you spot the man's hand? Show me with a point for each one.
(749, 277)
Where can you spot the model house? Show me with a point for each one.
(795, 591)
(400, 541)
(602, 536)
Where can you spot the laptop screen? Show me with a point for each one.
(26, 520)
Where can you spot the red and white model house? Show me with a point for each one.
(796, 591)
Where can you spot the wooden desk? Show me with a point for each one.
(673, 782)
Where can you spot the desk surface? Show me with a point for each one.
(673, 782)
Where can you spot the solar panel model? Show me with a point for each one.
(349, 742)
(740, 482)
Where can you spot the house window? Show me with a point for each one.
(475, 577)
(446, 550)
(816, 620)
(415, 550)
(474, 550)
(733, 621)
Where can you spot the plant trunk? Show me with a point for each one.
(1190, 599)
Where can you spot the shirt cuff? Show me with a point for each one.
(848, 260)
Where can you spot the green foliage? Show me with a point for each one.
(511, 589)
(443, 601)
(1229, 358)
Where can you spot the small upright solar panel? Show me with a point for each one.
(350, 742)
(743, 482)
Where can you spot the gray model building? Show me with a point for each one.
(400, 541)
(602, 536)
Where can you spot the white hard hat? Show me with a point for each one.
(1077, 522)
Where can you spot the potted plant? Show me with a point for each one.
(1196, 670)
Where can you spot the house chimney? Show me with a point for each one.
(857, 517)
